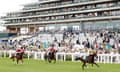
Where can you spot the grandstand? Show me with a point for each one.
(66, 23)
(79, 15)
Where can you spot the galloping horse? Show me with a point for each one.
(89, 59)
(50, 57)
(18, 57)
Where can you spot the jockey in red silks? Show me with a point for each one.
(18, 51)
(50, 50)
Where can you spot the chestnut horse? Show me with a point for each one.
(17, 57)
(50, 57)
(89, 59)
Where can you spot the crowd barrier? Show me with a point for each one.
(102, 58)
(62, 56)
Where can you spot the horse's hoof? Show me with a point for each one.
(15, 63)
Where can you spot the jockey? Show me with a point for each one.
(50, 50)
(18, 50)
(88, 53)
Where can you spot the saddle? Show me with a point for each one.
(17, 54)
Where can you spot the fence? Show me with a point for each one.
(102, 58)
(62, 56)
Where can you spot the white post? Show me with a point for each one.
(35, 55)
(56, 56)
(108, 58)
(98, 58)
(10, 54)
(72, 55)
(111, 59)
(101, 58)
(4, 53)
(64, 56)
(117, 58)
(28, 54)
(0, 53)
(42, 55)
(104, 58)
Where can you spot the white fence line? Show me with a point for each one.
(62, 56)
(102, 58)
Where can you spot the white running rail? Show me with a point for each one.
(62, 56)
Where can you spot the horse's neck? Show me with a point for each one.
(21, 54)
(53, 53)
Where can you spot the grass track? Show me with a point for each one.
(6, 65)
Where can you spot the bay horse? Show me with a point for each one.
(89, 59)
(50, 57)
(17, 57)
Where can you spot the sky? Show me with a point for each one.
(11, 6)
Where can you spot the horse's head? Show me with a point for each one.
(95, 54)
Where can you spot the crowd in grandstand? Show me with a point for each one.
(102, 42)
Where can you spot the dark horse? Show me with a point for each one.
(89, 59)
(49, 57)
(18, 57)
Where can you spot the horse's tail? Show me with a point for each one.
(13, 56)
(77, 58)
(80, 58)
(45, 56)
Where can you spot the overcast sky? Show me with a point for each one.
(12, 5)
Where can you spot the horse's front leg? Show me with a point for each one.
(84, 64)
(92, 64)
(54, 60)
(46, 58)
(96, 64)
(49, 60)
(13, 58)
(22, 61)
(17, 61)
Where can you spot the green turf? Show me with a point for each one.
(6, 65)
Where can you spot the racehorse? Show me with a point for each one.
(50, 57)
(89, 59)
(18, 57)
